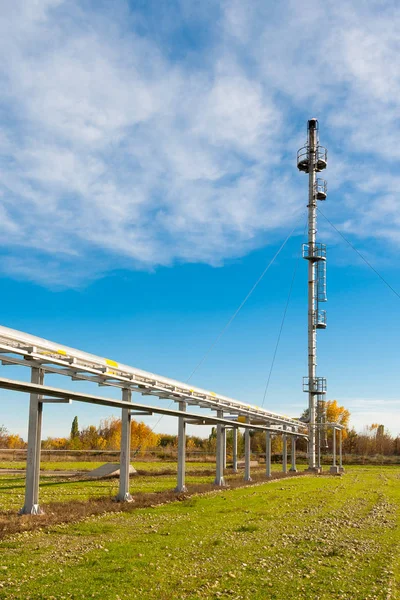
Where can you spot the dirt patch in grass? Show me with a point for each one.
(76, 510)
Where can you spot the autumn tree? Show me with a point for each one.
(212, 440)
(56, 444)
(142, 437)
(15, 441)
(3, 436)
(240, 442)
(337, 414)
(74, 429)
(168, 440)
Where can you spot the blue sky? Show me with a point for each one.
(147, 155)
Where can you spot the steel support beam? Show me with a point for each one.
(268, 454)
(181, 487)
(219, 476)
(31, 505)
(224, 447)
(247, 455)
(234, 449)
(23, 386)
(334, 468)
(77, 364)
(284, 452)
(318, 435)
(334, 447)
(341, 469)
(293, 468)
(125, 456)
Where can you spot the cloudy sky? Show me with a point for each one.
(147, 156)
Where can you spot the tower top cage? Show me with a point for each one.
(321, 153)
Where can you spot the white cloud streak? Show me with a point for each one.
(116, 153)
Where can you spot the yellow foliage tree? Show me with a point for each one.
(337, 414)
(55, 444)
(110, 432)
(15, 441)
(142, 437)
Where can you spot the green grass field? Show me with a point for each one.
(150, 466)
(63, 489)
(307, 537)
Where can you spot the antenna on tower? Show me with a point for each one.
(312, 159)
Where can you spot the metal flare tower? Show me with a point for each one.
(312, 159)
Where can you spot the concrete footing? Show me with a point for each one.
(125, 498)
(180, 490)
(35, 510)
(334, 470)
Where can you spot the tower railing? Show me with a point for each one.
(303, 158)
(315, 251)
(314, 385)
(320, 319)
(320, 189)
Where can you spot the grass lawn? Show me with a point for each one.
(308, 538)
(65, 489)
(150, 466)
(54, 489)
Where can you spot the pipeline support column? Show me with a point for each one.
(334, 468)
(219, 477)
(181, 486)
(341, 468)
(268, 454)
(224, 447)
(284, 451)
(247, 453)
(125, 455)
(31, 505)
(234, 449)
(293, 468)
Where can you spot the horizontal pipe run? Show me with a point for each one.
(23, 386)
(69, 361)
(106, 381)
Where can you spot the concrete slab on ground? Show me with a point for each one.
(108, 470)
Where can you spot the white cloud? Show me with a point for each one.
(115, 152)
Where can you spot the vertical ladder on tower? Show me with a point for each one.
(317, 254)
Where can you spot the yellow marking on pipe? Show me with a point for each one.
(213, 394)
(62, 352)
(241, 419)
(111, 363)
